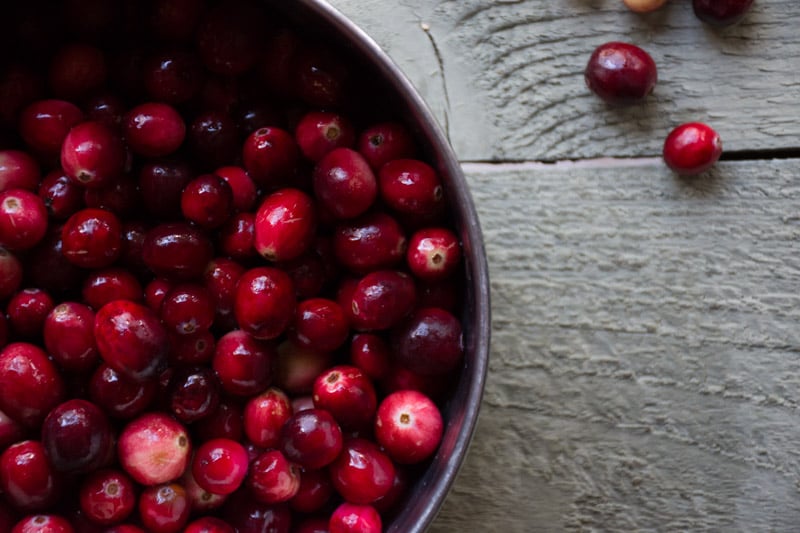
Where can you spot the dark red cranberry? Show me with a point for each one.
(220, 466)
(208, 524)
(131, 339)
(77, 437)
(124, 528)
(344, 184)
(314, 493)
(69, 337)
(311, 438)
(164, 508)
(298, 366)
(374, 241)
(381, 299)
(265, 415)
(61, 196)
(106, 108)
(445, 294)
(247, 515)
(220, 278)
(154, 448)
(252, 116)
(10, 273)
(161, 185)
(392, 500)
(177, 251)
(276, 67)
(237, 237)
(692, 148)
(10, 432)
(30, 385)
(385, 142)
(285, 225)
(213, 138)
(347, 394)
(621, 73)
(27, 478)
(207, 201)
(200, 500)
(319, 132)
(107, 497)
(77, 70)
(362, 473)
(23, 219)
(92, 19)
(721, 12)
(243, 187)
(175, 20)
(19, 86)
(430, 342)
(224, 423)
(187, 309)
(270, 156)
(193, 394)
(154, 129)
(44, 125)
(133, 234)
(308, 274)
(18, 170)
(265, 302)
(320, 76)
(49, 269)
(121, 197)
(156, 291)
(92, 238)
(370, 353)
(173, 76)
(229, 38)
(92, 154)
(272, 478)
(27, 311)
(409, 426)
(119, 396)
(243, 364)
(7, 516)
(192, 350)
(103, 286)
(411, 187)
(351, 518)
(319, 324)
(312, 525)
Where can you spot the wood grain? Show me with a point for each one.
(505, 77)
(646, 355)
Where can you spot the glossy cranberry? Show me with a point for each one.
(320, 324)
(10, 273)
(371, 353)
(154, 448)
(350, 518)
(433, 253)
(133, 234)
(272, 478)
(27, 311)
(237, 237)
(243, 187)
(381, 299)
(192, 350)
(311, 438)
(103, 286)
(207, 201)
(107, 497)
(229, 38)
(92, 154)
(265, 302)
(200, 500)
(214, 138)
(131, 339)
(106, 108)
(193, 394)
(430, 342)
(209, 524)
(721, 12)
(224, 423)
(23, 219)
(396, 497)
(18, 170)
(77, 437)
(44, 124)
(344, 184)
(314, 492)
(43, 523)
(173, 76)
(251, 116)
(247, 515)
(412, 188)
(61, 196)
(121, 197)
(119, 396)
(164, 508)
(347, 394)
(10, 432)
(19, 86)
(175, 20)
(69, 337)
(265, 415)
(298, 366)
(309, 274)
(161, 184)
(372, 242)
(177, 251)
(49, 269)
(27, 478)
(220, 466)
(243, 363)
(187, 309)
(319, 76)
(270, 156)
(620, 73)
(156, 291)
(362, 473)
(30, 385)
(154, 129)
(285, 225)
(220, 278)
(76, 70)
(92, 238)
(409, 426)
(692, 148)
(319, 132)
(384, 142)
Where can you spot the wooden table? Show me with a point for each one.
(645, 366)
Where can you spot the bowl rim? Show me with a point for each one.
(472, 239)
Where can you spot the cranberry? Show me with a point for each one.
(247, 515)
(121, 197)
(164, 508)
(314, 492)
(412, 188)
(270, 156)
(309, 274)
(272, 478)
(265, 415)
(107, 497)
(177, 250)
(23, 219)
(430, 342)
(409, 426)
(92, 154)
(162, 184)
(49, 269)
(156, 291)
(237, 236)
(133, 234)
(393, 499)
(10, 273)
(214, 138)
(362, 473)
(298, 367)
(154, 448)
(103, 286)
(200, 500)
(621, 73)
(344, 184)
(120, 396)
(44, 125)
(384, 142)
(131, 339)
(193, 394)
(319, 76)
(27, 478)
(43, 523)
(243, 363)
(224, 423)
(18, 170)
(371, 354)
(77, 70)
(207, 201)
(92, 238)
(61, 196)
(320, 324)
(319, 132)
(347, 394)
(208, 524)
(243, 187)
(220, 466)
(277, 63)
(220, 278)
(30, 385)
(721, 12)
(644, 6)
(187, 309)
(124, 528)
(175, 20)
(69, 336)
(692, 148)
(10, 432)
(106, 108)
(265, 302)
(372, 242)
(77, 437)
(27, 311)
(381, 299)
(92, 19)
(192, 350)
(173, 76)
(311, 438)
(350, 518)
(285, 225)
(229, 38)
(19, 86)
(433, 253)
(312, 525)
(154, 129)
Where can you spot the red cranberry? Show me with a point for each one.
(214, 138)
(77, 437)
(362, 473)
(177, 250)
(162, 184)
(30, 385)
(121, 197)
(61, 196)
(119, 396)
(27, 478)
(43, 523)
(285, 225)
(430, 342)
(319, 132)
(44, 125)
(393, 499)
(200, 500)
(372, 242)
(154, 448)
(193, 394)
(347, 394)
(173, 76)
(154, 129)
(433, 253)
(270, 156)
(131, 339)
(103, 286)
(10, 432)
(409, 426)
(220, 466)
(721, 12)
(265, 302)
(23, 219)
(208, 524)
(272, 478)
(10, 273)
(320, 324)
(77, 70)
(344, 183)
(621, 73)
(242, 363)
(220, 278)
(192, 350)
(49, 269)
(692, 148)
(319, 76)
(92, 154)
(164, 508)
(265, 415)
(385, 142)
(298, 366)
(133, 234)
(156, 291)
(371, 354)
(312, 525)
(27, 311)
(175, 20)
(381, 299)
(224, 423)
(314, 492)
(69, 337)
(18, 170)
(187, 309)
(311, 438)
(207, 201)
(412, 188)
(107, 497)
(229, 38)
(237, 237)
(350, 518)
(92, 238)
(243, 187)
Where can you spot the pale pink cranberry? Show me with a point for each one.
(76, 70)
(28, 480)
(103, 286)
(272, 478)
(370, 352)
(412, 188)
(430, 342)
(243, 187)
(44, 125)
(207, 201)
(27, 311)
(350, 518)
(692, 148)
(164, 508)
(285, 225)
(92, 238)
(43, 523)
(620, 73)
(362, 473)
(314, 493)
(344, 184)
(265, 415)
(270, 155)
(347, 394)
(77, 437)
(10, 273)
(243, 363)
(68, 334)
(371, 242)
(61, 196)
(119, 396)
(384, 142)
(173, 76)
(92, 154)
(265, 302)
(220, 466)
(311, 438)
(319, 132)
(154, 129)
(409, 426)
(230, 37)
(298, 366)
(18, 170)
(187, 309)
(30, 384)
(23, 219)
(107, 497)
(381, 299)
(237, 237)
(319, 324)
(154, 448)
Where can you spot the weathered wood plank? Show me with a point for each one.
(513, 84)
(645, 370)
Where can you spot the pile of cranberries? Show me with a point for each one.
(231, 287)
